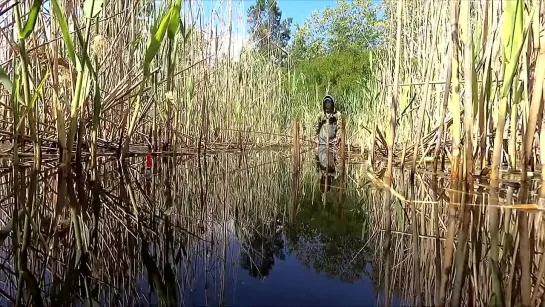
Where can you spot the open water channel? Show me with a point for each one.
(250, 230)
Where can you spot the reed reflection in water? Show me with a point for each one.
(215, 230)
(261, 228)
(478, 246)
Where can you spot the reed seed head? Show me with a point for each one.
(99, 45)
(64, 76)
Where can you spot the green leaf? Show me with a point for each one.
(513, 37)
(58, 12)
(15, 98)
(32, 17)
(155, 42)
(38, 91)
(97, 99)
(511, 31)
(86, 59)
(30, 106)
(5, 81)
(174, 19)
(91, 8)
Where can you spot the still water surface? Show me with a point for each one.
(250, 230)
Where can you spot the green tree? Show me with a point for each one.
(269, 33)
(351, 25)
(331, 50)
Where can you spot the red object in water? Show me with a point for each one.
(148, 160)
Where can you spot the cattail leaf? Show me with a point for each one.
(91, 8)
(16, 98)
(511, 31)
(58, 12)
(38, 91)
(32, 102)
(155, 41)
(32, 17)
(5, 81)
(513, 48)
(86, 59)
(518, 93)
(175, 20)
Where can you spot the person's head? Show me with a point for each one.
(328, 105)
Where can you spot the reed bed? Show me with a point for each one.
(476, 234)
(464, 83)
(125, 75)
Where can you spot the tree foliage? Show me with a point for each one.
(331, 49)
(269, 33)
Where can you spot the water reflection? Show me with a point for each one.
(255, 230)
(261, 248)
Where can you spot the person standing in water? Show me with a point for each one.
(327, 131)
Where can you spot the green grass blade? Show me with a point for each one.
(155, 41)
(511, 31)
(174, 19)
(5, 81)
(16, 98)
(58, 12)
(32, 17)
(38, 91)
(91, 8)
(514, 45)
(30, 106)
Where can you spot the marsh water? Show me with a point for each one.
(252, 229)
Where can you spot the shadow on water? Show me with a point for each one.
(264, 229)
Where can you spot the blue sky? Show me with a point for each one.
(299, 10)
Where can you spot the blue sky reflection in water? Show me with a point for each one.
(289, 283)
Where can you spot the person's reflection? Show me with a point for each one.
(326, 166)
